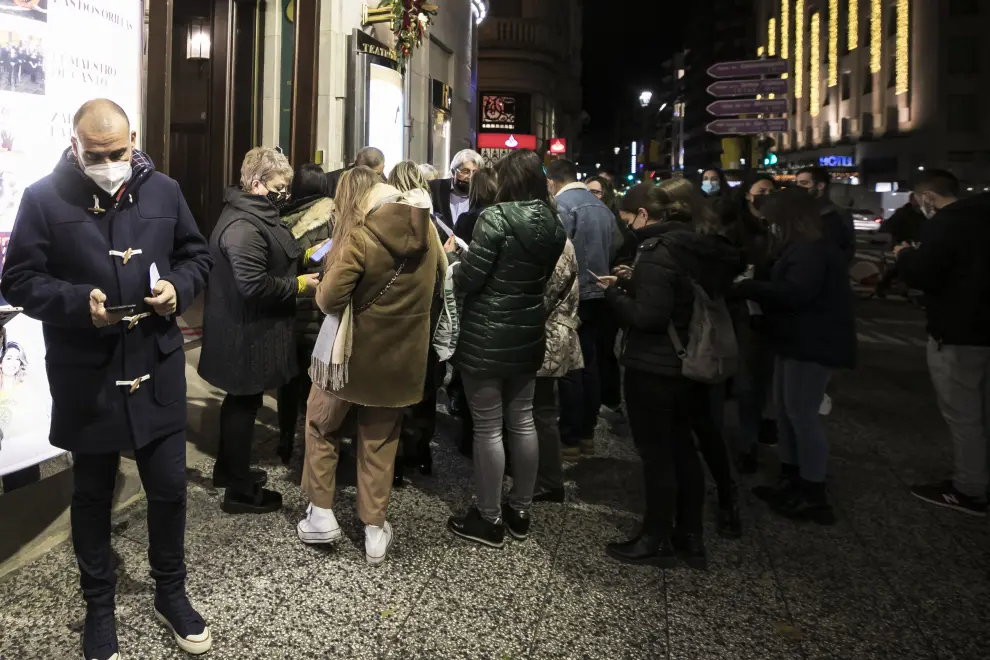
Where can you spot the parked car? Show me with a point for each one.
(866, 220)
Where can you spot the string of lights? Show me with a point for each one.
(853, 33)
(876, 35)
(785, 28)
(833, 43)
(799, 49)
(903, 49)
(772, 37)
(815, 54)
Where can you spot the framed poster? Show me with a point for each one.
(54, 56)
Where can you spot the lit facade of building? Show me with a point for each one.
(529, 71)
(883, 86)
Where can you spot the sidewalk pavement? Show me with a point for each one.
(894, 578)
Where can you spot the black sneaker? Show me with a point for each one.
(807, 501)
(261, 500)
(691, 549)
(945, 494)
(727, 522)
(475, 528)
(100, 636)
(790, 475)
(256, 476)
(186, 625)
(517, 522)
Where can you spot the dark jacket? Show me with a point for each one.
(839, 226)
(249, 338)
(503, 276)
(905, 225)
(58, 253)
(808, 304)
(952, 267)
(333, 180)
(661, 293)
(464, 229)
(591, 227)
(310, 224)
(440, 195)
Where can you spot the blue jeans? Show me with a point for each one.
(798, 390)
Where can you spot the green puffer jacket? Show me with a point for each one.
(513, 253)
(310, 223)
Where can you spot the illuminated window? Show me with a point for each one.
(816, 58)
(772, 37)
(903, 46)
(799, 49)
(833, 43)
(876, 34)
(852, 32)
(785, 28)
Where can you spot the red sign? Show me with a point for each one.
(506, 141)
(558, 146)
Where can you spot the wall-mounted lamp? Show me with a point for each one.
(479, 9)
(198, 39)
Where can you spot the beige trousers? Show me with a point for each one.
(377, 444)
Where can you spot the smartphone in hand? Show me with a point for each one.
(121, 309)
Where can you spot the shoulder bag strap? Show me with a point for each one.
(398, 271)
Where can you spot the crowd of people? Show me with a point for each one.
(533, 298)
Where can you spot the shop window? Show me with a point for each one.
(964, 7)
(963, 114)
(844, 128)
(867, 81)
(964, 55)
(846, 86)
(892, 71)
(892, 21)
(893, 119)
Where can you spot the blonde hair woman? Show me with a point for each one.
(377, 291)
(249, 339)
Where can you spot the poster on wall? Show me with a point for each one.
(54, 56)
(386, 128)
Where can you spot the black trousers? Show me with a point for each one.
(291, 400)
(581, 390)
(237, 416)
(162, 466)
(608, 363)
(711, 442)
(420, 420)
(660, 420)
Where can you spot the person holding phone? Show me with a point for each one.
(117, 379)
(309, 216)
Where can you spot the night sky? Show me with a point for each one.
(625, 41)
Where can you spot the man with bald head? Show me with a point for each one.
(105, 253)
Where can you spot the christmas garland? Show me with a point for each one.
(410, 21)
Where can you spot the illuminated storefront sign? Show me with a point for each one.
(54, 56)
(495, 146)
(558, 146)
(836, 161)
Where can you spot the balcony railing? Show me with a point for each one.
(523, 35)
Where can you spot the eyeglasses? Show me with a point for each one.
(597, 193)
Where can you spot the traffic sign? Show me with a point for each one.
(724, 88)
(747, 107)
(744, 68)
(747, 126)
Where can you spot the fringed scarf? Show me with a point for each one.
(332, 352)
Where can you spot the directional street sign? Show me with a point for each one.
(747, 126)
(724, 88)
(747, 107)
(745, 68)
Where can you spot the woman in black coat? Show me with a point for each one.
(661, 403)
(811, 329)
(249, 338)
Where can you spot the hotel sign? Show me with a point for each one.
(836, 161)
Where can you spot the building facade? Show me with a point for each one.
(318, 78)
(529, 77)
(883, 88)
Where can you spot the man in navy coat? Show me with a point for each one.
(106, 231)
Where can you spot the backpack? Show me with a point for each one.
(712, 354)
(448, 328)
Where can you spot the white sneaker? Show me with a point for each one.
(377, 541)
(319, 526)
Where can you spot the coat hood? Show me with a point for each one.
(533, 224)
(710, 260)
(308, 214)
(400, 221)
(256, 205)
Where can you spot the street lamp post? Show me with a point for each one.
(644, 100)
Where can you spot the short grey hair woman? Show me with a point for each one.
(249, 338)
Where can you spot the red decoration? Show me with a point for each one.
(410, 21)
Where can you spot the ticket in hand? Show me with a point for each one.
(450, 232)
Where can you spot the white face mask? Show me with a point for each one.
(928, 209)
(109, 176)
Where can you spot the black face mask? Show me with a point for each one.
(463, 187)
(278, 199)
(759, 201)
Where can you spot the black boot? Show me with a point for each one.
(256, 476)
(424, 456)
(728, 523)
(285, 447)
(557, 495)
(397, 479)
(809, 501)
(646, 549)
(787, 482)
(690, 547)
(259, 500)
